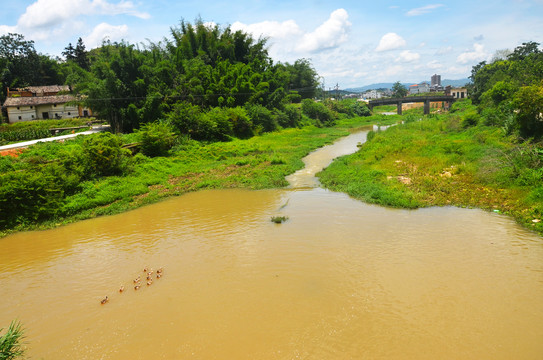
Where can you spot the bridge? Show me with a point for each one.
(448, 100)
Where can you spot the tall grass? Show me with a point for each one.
(11, 342)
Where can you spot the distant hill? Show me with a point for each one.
(459, 82)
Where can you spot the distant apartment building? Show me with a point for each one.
(42, 103)
(435, 84)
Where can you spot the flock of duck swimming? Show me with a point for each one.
(137, 281)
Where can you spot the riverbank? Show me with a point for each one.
(436, 161)
(257, 163)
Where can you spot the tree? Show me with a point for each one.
(69, 52)
(529, 104)
(80, 55)
(304, 79)
(398, 90)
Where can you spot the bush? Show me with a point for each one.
(103, 155)
(184, 117)
(31, 195)
(157, 139)
(319, 112)
(242, 125)
(470, 119)
(262, 117)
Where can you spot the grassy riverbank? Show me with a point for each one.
(439, 160)
(256, 163)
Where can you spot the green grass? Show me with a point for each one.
(257, 163)
(10, 342)
(435, 161)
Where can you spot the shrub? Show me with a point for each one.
(470, 119)
(262, 117)
(157, 139)
(103, 155)
(242, 125)
(31, 195)
(184, 117)
(319, 112)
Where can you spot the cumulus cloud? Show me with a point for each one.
(103, 32)
(444, 50)
(434, 64)
(423, 10)
(408, 56)
(478, 54)
(332, 33)
(390, 41)
(46, 13)
(272, 29)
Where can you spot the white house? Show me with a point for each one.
(423, 87)
(42, 102)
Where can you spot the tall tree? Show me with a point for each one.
(398, 90)
(80, 55)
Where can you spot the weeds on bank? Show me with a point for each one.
(439, 161)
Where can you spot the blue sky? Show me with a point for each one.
(351, 43)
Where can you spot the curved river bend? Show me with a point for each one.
(339, 280)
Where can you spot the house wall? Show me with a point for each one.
(57, 110)
(459, 93)
(21, 113)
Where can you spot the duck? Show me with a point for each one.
(149, 282)
(150, 272)
(136, 287)
(121, 289)
(159, 271)
(158, 275)
(104, 300)
(149, 277)
(145, 269)
(137, 280)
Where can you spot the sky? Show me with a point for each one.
(349, 43)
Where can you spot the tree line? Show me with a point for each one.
(508, 91)
(193, 79)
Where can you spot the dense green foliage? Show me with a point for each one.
(10, 342)
(210, 83)
(509, 92)
(399, 90)
(21, 65)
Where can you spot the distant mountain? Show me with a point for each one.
(459, 82)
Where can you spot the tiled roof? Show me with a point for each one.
(38, 100)
(46, 89)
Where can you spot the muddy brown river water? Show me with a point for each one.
(340, 279)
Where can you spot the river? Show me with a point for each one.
(340, 279)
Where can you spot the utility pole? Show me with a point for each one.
(337, 91)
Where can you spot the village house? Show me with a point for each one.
(42, 103)
(457, 93)
(423, 87)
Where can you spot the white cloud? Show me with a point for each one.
(332, 33)
(273, 29)
(105, 31)
(434, 64)
(51, 13)
(423, 10)
(478, 54)
(390, 41)
(444, 50)
(394, 70)
(408, 56)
